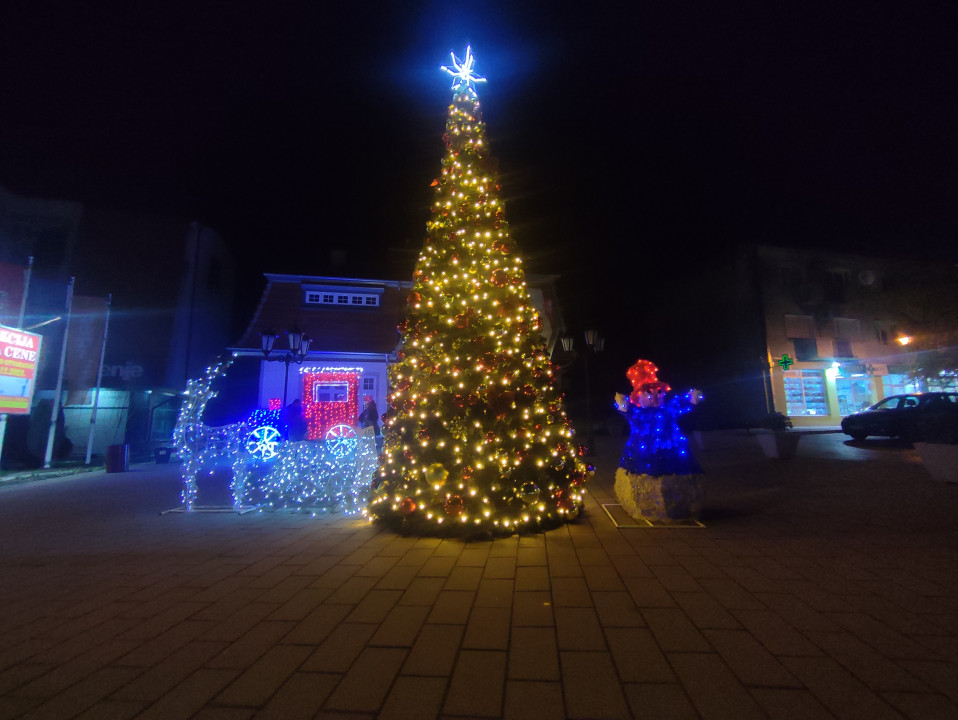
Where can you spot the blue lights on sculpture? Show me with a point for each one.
(656, 444)
(268, 471)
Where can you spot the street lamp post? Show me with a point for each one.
(297, 352)
(594, 343)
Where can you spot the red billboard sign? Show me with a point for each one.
(19, 357)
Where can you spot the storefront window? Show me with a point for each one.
(805, 392)
(895, 384)
(854, 394)
(947, 381)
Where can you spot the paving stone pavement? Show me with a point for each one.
(821, 587)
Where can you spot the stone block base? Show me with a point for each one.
(659, 497)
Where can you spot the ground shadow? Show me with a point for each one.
(882, 443)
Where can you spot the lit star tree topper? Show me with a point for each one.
(476, 439)
(462, 74)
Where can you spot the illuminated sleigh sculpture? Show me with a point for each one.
(269, 472)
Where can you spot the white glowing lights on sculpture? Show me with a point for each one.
(462, 73)
(268, 472)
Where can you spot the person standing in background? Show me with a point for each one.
(369, 417)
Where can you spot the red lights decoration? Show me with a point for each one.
(644, 376)
(323, 408)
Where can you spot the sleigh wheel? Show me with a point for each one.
(341, 440)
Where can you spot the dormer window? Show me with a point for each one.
(342, 297)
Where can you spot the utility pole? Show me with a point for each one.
(48, 457)
(99, 379)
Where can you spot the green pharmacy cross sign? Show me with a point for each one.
(785, 362)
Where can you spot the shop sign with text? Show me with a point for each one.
(19, 357)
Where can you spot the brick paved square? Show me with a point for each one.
(602, 577)
(647, 592)
(477, 684)
(807, 605)
(749, 660)
(533, 654)
(532, 577)
(365, 686)
(495, 592)
(422, 591)
(637, 656)
(591, 687)
(577, 628)
(775, 634)
(532, 608)
(533, 699)
(414, 698)
(452, 607)
(570, 592)
(840, 692)
(401, 626)
(788, 703)
(262, 679)
(713, 689)
(500, 568)
(674, 631)
(338, 651)
(398, 577)
(531, 556)
(375, 606)
(616, 609)
(464, 577)
(662, 701)
(488, 628)
(435, 650)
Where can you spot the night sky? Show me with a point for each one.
(635, 140)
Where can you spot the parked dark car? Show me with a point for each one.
(900, 415)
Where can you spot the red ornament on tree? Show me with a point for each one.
(454, 506)
(407, 506)
(567, 504)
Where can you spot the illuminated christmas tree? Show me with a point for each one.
(476, 438)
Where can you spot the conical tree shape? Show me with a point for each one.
(476, 438)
